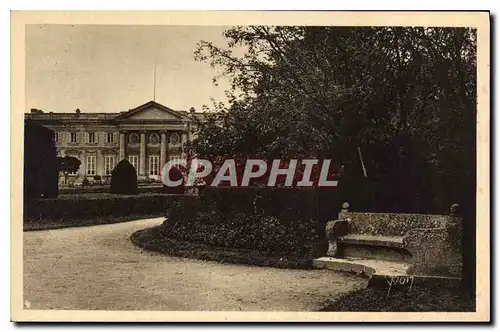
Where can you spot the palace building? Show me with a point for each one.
(148, 136)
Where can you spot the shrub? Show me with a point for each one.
(85, 182)
(282, 202)
(243, 230)
(124, 179)
(41, 173)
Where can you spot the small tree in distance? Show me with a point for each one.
(124, 179)
(68, 165)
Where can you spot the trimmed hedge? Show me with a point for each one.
(89, 206)
(105, 189)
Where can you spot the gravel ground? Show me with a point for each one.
(98, 268)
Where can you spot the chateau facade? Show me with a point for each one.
(148, 136)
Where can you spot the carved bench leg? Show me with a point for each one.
(332, 248)
(334, 229)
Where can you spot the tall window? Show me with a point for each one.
(73, 137)
(91, 163)
(91, 137)
(175, 161)
(110, 137)
(134, 160)
(109, 164)
(153, 165)
(56, 137)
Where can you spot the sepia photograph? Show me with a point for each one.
(250, 166)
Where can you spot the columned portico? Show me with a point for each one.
(147, 136)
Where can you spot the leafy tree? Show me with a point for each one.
(68, 165)
(402, 98)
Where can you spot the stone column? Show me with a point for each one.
(83, 166)
(163, 150)
(99, 163)
(142, 155)
(121, 155)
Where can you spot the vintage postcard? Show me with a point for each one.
(250, 166)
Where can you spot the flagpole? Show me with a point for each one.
(154, 80)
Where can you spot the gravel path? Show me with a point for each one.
(98, 268)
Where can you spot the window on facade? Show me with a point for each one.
(73, 138)
(153, 165)
(175, 161)
(109, 164)
(91, 165)
(91, 137)
(134, 160)
(56, 137)
(110, 137)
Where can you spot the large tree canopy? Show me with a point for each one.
(402, 98)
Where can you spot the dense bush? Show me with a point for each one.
(277, 221)
(124, 179)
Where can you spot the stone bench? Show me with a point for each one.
(372, 240)
(432, 241)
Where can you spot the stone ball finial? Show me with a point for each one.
(454, 209)
(345, 205)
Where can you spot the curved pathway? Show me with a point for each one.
(98, 268)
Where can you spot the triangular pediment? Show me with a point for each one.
(151, 111)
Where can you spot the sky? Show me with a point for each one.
(110, 68)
